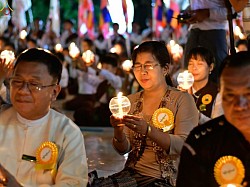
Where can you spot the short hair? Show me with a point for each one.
(110, 58)
(42, 56)
(156, 48)
(203, 52)
(240, 59)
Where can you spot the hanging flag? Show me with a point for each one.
(18, 15)
(54, 16)
(86, 18)
(158, 9)
(105, 18)
(125, 10)
(172, 14)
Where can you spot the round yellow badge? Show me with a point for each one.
(229, 170)
(47, 154)
(163, 118)
(206, 99)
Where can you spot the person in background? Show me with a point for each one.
(241, 45)
(217, 153)
(205, 92)
(208, 28)
(155, 129)
(107, 89)
(64, 78)
(39, 146)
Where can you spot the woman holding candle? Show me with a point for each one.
(205, 92)
(159, 121)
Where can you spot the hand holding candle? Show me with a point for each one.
(120, 105)
(8, 55)
(73, 50)
(88, 56)
(185, 80)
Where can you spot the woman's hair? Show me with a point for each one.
(202, 52)
(157, 49)
(159, 52)
(39, 55)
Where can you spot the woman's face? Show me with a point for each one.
(199, 68)
(148, 71)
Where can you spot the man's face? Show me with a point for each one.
(32, 104)
(235, 88)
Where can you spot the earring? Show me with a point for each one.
(210, 72)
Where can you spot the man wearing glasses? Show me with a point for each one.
(39, 146)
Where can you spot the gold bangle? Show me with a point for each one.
(148, 131)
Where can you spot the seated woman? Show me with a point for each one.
(205, 92)
(159, 121)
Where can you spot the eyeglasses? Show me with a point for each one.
(32, 86)
(146, 67)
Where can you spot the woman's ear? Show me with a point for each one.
(211, 68)
(165, 70)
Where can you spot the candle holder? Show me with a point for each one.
(185, 80)
(119, 106)
(8, 55)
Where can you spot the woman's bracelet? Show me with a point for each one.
(148, 131)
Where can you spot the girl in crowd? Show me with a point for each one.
(157, 125)
(205, 92)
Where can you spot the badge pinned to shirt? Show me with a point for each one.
(163, 118)
(229, 170)
(46, 157)
(206, 99)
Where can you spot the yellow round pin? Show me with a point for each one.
(47, 153)
(206, 99)
(229, 170)
(163, 118)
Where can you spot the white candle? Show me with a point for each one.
(58, 48)
(88, 56)
(127, 65)
(8, 55)
(120, 111)
(185, 80)
(73, 50)
(23, 34)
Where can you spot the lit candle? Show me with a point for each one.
(127, 65)
(185, 80)
(73, 50)
(120, 111)
(120, 105)
(8, 55)
(88, 56)
(58, 48)
(23, 34)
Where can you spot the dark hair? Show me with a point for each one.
(42, 56)
(159, 52)
(203, 52)
(110, 58)
(241, 42)
(240, 59)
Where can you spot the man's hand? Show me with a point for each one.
(198, 15)
(7, 179)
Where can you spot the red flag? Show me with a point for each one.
(125, 11)
(86, 18)
(105, 18)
